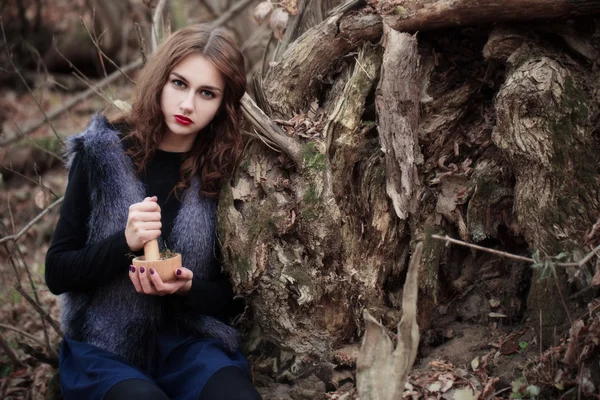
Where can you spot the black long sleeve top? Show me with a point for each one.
(73, 266)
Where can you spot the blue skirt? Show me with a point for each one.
(182, 368)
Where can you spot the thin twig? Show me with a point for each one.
(37, 299)
(474, 246)
(12, 218)
(541, 336)
(580, 263)
(80, 75)
(142, 42)
(266, 142)
(102, 54)
(562, 299)
(38, 308)
(499, 392)
(258, 33)
(84, 79)
(95, 39)
(26, 84)
(13, 137)
(23, 333)
(9, 352)
(263, 139)
(155, 21)
(230, 13)
(59, 158)
(264, 57)
(28, 179)
(32, 222)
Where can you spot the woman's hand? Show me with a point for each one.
(148, 282)
(143, 223)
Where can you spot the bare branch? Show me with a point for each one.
(28, 179)
(142, 42)
(39, 309)
(268, 128)
(12, 137)
(9, 55)
(22, 333)
(230, 13)
(9, 352)
(32, 222)
(102, 54)
(37, 299)
(156, 20)
(580, 263)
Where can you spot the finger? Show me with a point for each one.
(164, 288)
(148, 226)
(172, 286)
(145, 216)
(146, 206)
(144, 281)
(183, 274)
(157, 281)
(152, 198)
(149, 235)
(135, 279)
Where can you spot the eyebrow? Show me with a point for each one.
(214, 88)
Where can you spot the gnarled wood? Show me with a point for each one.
(294, 82)
(421, 15)
(545, 111)
(397, 105)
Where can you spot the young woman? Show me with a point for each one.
(154, 173)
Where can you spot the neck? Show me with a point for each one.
(177, 144)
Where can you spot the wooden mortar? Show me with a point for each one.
(151, 259)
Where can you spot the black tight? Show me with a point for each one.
(135, 389)
(229, 383)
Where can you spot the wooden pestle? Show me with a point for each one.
(151, 252)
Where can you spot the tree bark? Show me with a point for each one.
(431, 14)
(545, 111)
(294, 82)
(397, 105)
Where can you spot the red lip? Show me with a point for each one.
(183, 120)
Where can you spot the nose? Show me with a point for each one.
(187, 103)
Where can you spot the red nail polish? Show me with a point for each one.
(151, 271)
(131, 268)
(178, 271)
(142, 270)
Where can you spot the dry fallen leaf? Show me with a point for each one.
(122, 105)
(461, 394)
(262, 10)
(475, 363)
(279, 20)
(291, 6)
(42, 199)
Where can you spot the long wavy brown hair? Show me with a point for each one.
(217, 149)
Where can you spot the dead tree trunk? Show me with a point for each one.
(545, 110)
(399, 140)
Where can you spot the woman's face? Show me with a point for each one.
(189, 101)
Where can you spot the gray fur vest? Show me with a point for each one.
(114, 316)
